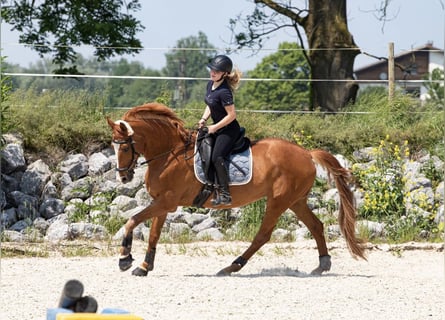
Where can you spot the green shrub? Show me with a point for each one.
(74, 121)
(65, 120)
(383, 184)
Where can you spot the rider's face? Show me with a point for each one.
(216, 75)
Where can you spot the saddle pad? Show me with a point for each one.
(236, 177)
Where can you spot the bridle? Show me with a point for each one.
(134, 155)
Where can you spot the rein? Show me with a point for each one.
(134, 158)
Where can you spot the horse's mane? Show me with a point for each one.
(149, 111)
(156, 112)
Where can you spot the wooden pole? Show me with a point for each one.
(391, 78)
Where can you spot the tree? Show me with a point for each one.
(131, 92)
(332, 49)
(44, 66)
(189, 59)
(434, 85)
(5, 87)
(287, 63)
(54, 27)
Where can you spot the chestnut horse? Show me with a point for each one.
(283, 172)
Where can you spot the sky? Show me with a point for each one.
(413, 24)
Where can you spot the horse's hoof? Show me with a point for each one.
(325, 265)
(139, 272)
(317, 271)
(125, 263)
(228, 270)
(224, 273)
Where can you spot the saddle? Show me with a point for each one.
(239, 161)
(241, 143)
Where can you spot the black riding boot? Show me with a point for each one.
(222, 189)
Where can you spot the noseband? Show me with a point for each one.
(134, 154)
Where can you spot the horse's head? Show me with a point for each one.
(126, 154)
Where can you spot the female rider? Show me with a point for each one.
(220, 106)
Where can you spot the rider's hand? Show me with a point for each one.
(211, 128)
(201, 123)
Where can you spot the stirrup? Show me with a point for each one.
(222, 199)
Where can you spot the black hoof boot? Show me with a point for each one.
(140, 272)
(125, 263)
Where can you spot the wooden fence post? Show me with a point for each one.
(391, 78)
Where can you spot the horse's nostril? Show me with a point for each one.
(124, 179)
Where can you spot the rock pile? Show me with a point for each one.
(39, 202)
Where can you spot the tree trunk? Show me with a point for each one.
(332, 54)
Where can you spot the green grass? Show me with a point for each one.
(68, 121)
(55, 123)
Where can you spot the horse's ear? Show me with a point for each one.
(110, 123)
(124, 129)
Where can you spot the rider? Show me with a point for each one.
(220, 106)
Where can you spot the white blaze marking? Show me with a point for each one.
(116, 146)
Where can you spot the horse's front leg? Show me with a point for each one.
(155, 233)
(126, 259)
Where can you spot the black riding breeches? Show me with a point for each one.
(223, 144)
(221, 149)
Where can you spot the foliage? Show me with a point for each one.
(73, 120)
(55, 28)
(325, 27)
(434, 84)
(287, 63)
(126, 93)
(382, 182)
(59, 120)
(248, 224)
(386, 197)
(188, 63)
(88, 212)
(6, 87)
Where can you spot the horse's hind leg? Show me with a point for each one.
(273, 212)
(155, 233)
(315, 226)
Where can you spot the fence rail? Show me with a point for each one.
(98, 76)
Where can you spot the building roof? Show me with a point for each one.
(428, 47)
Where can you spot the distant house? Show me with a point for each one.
(409, 66)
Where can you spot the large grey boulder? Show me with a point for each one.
(35, 177)
(75, 165)
(13, 158)
(81, 188)
(98, 163)
(51, 207)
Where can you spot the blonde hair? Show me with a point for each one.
(233, 79)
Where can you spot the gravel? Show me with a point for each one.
(404, 282)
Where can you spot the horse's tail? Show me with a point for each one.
(347, 210)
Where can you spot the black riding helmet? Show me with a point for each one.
(221, 63)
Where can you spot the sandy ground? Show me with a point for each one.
(275, 284)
